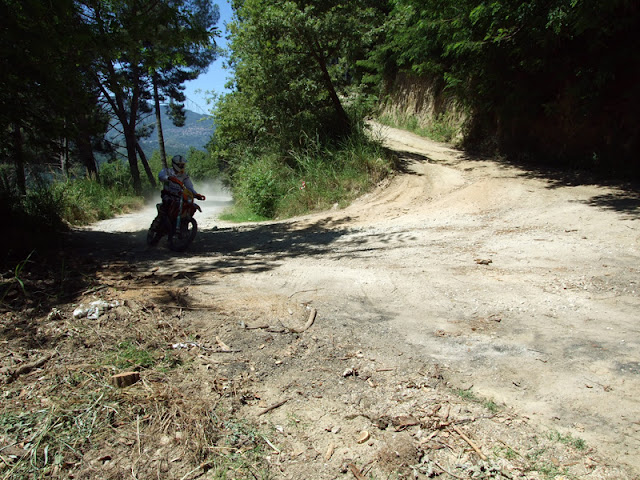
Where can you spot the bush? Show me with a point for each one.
(312, 178)
(259, 185)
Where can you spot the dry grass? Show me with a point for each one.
(66, 420)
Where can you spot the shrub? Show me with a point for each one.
(259, 185)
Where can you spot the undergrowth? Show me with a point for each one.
(70, 422)
(34, 221)
(443, 128)
(313, 178)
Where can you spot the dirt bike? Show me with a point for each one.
(180, 228)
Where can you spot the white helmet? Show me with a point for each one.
(178, 162)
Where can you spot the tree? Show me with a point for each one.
(187, 49)
(295, 62)
(43, 88)
(132, 52)
(556, 78)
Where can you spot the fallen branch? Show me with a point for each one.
(27, 367)
(447, 471)
(256, 327)
(312, 317)
(190, 307)
(273, 407)
(356, 472)
(470, 442)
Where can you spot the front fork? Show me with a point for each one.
(179, 217)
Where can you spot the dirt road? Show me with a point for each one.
(520, 287)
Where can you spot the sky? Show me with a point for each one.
(216, 76)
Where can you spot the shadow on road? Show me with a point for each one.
(253, 248)
(623, 197)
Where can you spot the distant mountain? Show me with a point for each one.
(196, 133)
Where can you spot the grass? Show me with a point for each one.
(567, 439)
(313, 178)
(467, 394)
(441, 129)
(128, 355)
(69, 421)
(505, 452)
(549, 469)
(241, 214)
(86, 200)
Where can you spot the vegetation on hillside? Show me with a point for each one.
(296, 113)
(554, 79)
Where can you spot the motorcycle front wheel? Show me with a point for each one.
(179, 241)
(155, 232)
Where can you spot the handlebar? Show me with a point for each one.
(188, 194)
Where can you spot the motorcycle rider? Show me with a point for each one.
(174, 178)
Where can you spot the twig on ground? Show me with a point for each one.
(356, 472)
(312, 317)
(271, 444)
(302, 291)
(192, 307)
(470, 442)
(273, 407)
(27, 367)
(447, 471)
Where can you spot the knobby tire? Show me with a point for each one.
(180, 241)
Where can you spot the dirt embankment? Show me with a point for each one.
(468, 319)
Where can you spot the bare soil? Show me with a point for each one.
(467, 319)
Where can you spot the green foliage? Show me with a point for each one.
(44, 96)
(441, 129)
(86, 200)
(289, 138)
(469, 395)
(557, 77)
(314, 178)
(36, 220)
(128, 355)
(53, 434)
(295, 63)
(7, 285)
(202, 164)
(258, 187)
(567, 439)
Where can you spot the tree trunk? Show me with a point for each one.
(145, 164)
(156, 98)
(132, 156)
(343, 118)
(130, 132)
(85, 152)
(64, 157)
(19, 159)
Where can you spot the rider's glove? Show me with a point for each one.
(199, 196)
(175, 180)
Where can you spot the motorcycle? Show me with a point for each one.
(176, 221)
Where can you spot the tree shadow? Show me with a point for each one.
(625, 202)
(623, 197)
(250, 248)
(403, 160)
